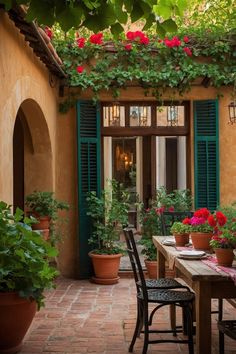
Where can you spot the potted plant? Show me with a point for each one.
(201, 229)
(108, 212)
(44, 207)
(223, 240)
(24, 275)
(151, 225)
(180, 232)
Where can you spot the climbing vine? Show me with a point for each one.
(137, 59)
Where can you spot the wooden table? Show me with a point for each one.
(206, 283)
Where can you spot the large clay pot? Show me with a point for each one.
(224, 256)
(200, 240)
(151, 269)
(181, 239)
(106, 268)
(16, 315)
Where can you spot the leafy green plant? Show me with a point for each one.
(179, 228)
(24, 257)
(40, 204)
(108, 213)
(45, 204)
(149, 62)
(149, 250)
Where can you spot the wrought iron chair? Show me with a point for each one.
(160, 297)
(225, 327)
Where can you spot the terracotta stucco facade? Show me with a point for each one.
(50, 139)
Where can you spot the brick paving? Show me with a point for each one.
(81, 317)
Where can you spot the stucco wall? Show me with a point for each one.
(25, 85)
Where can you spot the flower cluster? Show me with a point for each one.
(224, 235)
(138, 36)
(200, 221)
(96, 38)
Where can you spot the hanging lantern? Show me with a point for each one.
(114, 114)
(232, 112)
(172, 116)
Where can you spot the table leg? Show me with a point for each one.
(203, 317)
(160, 265)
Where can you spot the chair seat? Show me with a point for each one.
(228, 328)
(163, 283)
(168, 296)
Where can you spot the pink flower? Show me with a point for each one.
(197, 221)
(186, 39)
(48, 32)
(128, 47)
(81, 42)
(80, 69)
(171, 208)
(96, 38)
(188, 51)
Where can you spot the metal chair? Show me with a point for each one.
(159, 296)
(225, 327)
(169, 217)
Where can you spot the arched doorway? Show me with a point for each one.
(32, 153)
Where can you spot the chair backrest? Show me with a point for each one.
(169, 217)
(135, 262)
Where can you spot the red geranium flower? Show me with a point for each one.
(81, 42)
(186, 39)
(202, 213)
(186, 221)
(130, 35)
(188, 51)
(96, 38)
(144, 40)
(211, 221)
(221, 218)
(80, 69)
(48, 32)
(128, 47)
(171, 208)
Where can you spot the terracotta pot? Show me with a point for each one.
(16, 316)
(201, 240)
(151, 269)
(181, 239)
(106, 268)
(224, 256)
(43, 223)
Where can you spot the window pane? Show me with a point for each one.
(170, 116)
(114, 116)
(140, 116)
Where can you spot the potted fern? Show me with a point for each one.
(24, 275)
(109, 213)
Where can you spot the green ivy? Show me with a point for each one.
(155, 67)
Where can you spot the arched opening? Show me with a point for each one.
(32, 153)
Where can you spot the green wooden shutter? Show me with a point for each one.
(89, 174)
(206, 154)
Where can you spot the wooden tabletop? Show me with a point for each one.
(194, 269)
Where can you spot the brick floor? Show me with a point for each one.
(81, 317)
